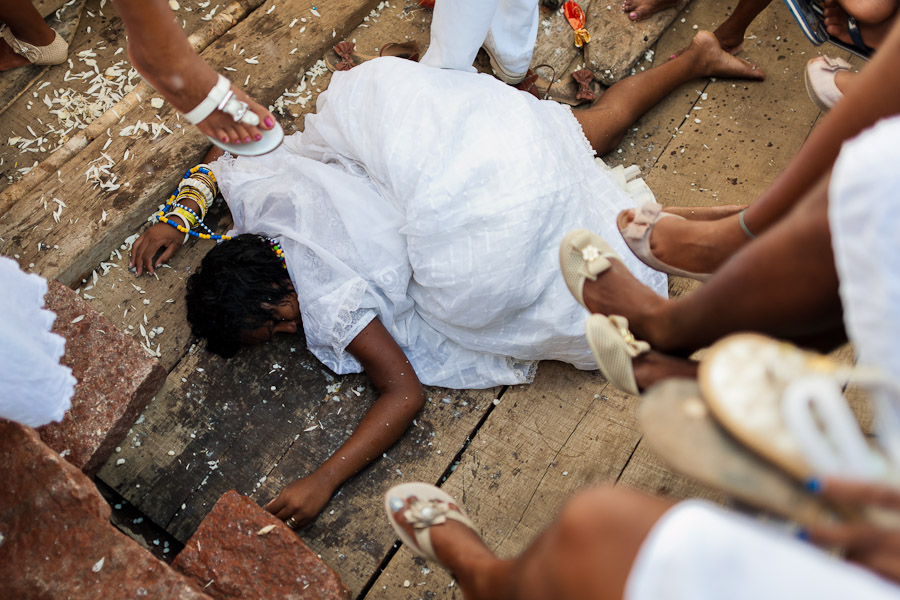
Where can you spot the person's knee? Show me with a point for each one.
(593, 516)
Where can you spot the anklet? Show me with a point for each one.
(746, 229)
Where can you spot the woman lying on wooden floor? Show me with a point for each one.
(418, 218)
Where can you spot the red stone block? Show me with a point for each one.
(116, 380)
(231, 555)
(55, 536)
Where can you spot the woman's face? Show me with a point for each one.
(287, 320)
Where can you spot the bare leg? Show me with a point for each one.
(757, 290)
(25, 22)
(586, 553)
(160, 51)
(704, 246)
(731, 32)
(624, 103)
(870, 11)
(873, 32)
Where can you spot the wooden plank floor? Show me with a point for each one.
(274, 413)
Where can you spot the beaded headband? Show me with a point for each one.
(276, 248)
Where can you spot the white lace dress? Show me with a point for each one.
(435, 201)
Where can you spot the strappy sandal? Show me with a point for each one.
(53, 53)
(578, 88)
(423, 506)
(220, 97)
(615, 349)
(583, 255)
(343, 58)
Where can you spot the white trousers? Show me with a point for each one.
(460, 27)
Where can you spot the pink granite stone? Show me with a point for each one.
(231, 555)
(116, 380)
(55, 536)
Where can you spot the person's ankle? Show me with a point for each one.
(486, 578)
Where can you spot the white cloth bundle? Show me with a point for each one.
(35, 388)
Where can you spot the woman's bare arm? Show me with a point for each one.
(163, 237)
(401, 398)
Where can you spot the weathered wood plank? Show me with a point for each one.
(249, 437)
(566, 430)
(555, 45)
(617, 42)
(148, 175)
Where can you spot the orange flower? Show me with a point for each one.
(575, 17)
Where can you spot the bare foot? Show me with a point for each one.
(712, 61)
(641, 9)
(836, 25)
(461, 548)
(653, 367)
(186, 82)
(694, 244)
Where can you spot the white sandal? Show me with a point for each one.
(53, 53)
(220, 97)
(423, 506)
(615, 349)
(786, 405)
(583, 255)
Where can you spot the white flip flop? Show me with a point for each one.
(432, 506)
(786, 404)
(220, 97)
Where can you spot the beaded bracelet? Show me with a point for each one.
(190, 216)
(171, 203)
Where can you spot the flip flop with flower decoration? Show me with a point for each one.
(423, 506)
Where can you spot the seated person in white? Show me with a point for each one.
(420, 214)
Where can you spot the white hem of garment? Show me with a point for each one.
(699, 551)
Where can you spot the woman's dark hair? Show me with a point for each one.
(225, 296)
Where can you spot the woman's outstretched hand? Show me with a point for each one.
(872, 546)
(302, 500)
(145, 247)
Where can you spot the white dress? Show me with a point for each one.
(434, 200)
(35, 388)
